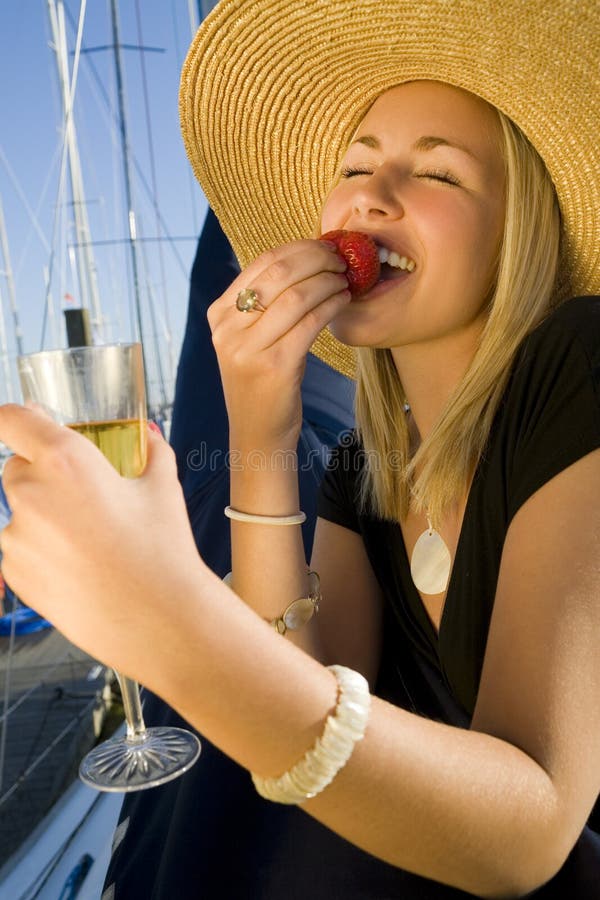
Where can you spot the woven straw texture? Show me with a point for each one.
(272, 91)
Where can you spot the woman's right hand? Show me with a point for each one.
(262, 355)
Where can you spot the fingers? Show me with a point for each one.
(271, 274)
(27, 431)
(302, 302)
(13, 472)
(300, 338)
(161, 458)
(305, 261)
(303, 282)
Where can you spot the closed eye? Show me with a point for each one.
(435, 175)
(440, 175)
(349, 172)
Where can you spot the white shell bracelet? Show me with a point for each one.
(319, 766)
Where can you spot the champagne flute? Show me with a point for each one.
(99, 391)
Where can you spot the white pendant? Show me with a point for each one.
(430, 563)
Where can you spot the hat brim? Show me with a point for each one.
(272, 91)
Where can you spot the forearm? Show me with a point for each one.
(456, 806)
(268, 561)
(300, 288)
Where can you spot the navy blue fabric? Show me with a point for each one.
(208, 834)
(199, 431)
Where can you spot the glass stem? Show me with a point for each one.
(130, 692)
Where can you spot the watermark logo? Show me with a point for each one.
(344, 456)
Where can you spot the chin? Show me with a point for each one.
(355, 337)
(355, 329)
(348, 332)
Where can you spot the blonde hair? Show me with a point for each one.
(525, 292)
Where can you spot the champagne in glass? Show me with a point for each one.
(99, 392)
(121, 441)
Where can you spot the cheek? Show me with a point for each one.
(485, 233)
(464, 233)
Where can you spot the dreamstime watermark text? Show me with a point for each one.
(344, 456)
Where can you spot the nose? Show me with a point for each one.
(376, 197)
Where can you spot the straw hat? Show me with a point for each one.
(272, 91)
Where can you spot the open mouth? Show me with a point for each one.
(393, 265)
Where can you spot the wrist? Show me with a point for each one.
(247, 444)
(264, 481)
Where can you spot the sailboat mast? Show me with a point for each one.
(126, 171)
(86, 266)
(193, 14)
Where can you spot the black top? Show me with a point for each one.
(548, 419)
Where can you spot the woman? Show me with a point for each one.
(473, 765)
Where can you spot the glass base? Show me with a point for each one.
(122, 765)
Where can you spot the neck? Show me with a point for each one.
(429, 374)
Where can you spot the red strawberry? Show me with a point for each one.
(360, 252)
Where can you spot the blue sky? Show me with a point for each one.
(30, 150)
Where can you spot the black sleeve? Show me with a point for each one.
(556, 397)
(337, 497)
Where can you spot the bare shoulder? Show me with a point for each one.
(541, 675)
(350, 614)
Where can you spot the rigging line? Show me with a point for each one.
(49, 705)
(161, 256)
(57, 208)
(76, 720)
(138, 168)
(140, 240)
(24, 200)
(88, 50)
(53, 162)
(10, 285)
(63, 167)
(35, 687)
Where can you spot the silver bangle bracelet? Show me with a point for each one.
(319, 766)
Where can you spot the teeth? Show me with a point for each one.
(395, 260)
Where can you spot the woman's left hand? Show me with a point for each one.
(97, 554)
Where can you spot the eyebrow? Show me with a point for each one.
(422, 144)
